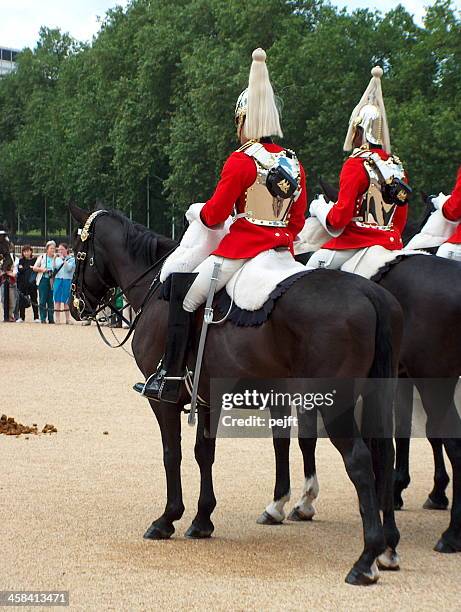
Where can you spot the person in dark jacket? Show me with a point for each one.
(26, 284)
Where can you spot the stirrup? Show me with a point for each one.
(161, 391)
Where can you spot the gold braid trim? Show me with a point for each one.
(86, 228)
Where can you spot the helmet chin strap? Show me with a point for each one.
(240, 124)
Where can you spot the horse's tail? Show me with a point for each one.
(385, 357)
(377, 418)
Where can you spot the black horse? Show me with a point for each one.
(5, 256)
(5, 261)
(327, 325)
(437, 498)
(429, 291)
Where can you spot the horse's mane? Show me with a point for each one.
(140, 242)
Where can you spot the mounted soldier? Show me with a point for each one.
(262, 187)
(372, 203)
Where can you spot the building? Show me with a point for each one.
(7, 60)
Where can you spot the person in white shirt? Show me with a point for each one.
(44, 267)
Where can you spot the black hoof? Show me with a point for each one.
(197, 533)
(398, 502)
(358, 578)
(156, 533)
(444, 547)
(297, 516)
(267, 519)
(430, 504)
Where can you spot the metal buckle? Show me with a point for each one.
(208, 315)
(81, 255)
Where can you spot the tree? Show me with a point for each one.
(143, 116)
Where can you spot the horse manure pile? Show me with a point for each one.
(9, 427)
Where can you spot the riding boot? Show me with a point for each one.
(165, 383)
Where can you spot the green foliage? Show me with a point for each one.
(148, 106)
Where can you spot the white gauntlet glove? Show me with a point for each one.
(439, 201)
(198, 242)
(320, 208)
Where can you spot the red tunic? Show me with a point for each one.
(452, 209)
(246, 239)
(353, 183)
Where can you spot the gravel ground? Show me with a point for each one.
(75, 504)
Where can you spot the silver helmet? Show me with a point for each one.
(370, 115)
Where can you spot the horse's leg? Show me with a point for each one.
(377, 427)
(307, 440)
(339, 421)
(437, 499)
(169, 419)
(443, 420)
(357, 460)
(205, 444)
(450, 541)
(403, 410)
(383, 463)
(274, 514)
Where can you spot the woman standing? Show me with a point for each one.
(44, 267)
(26, 284)
(65, 266)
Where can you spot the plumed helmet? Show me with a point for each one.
(256, 111)
(370, 115)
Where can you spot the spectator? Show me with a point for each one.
(65, 266)
(27, 289)
(15, 261)
(44, 267)
(8, 284)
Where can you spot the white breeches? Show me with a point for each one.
(327, 258)
(200, 288)
(449, 251)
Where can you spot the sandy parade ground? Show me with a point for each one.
(75, 504)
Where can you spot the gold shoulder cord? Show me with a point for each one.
(245, 146)
(360, 150)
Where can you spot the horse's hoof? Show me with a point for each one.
(267, 519)
(154, 532)
(358, 578)
(196, 533)
(297, 516)
(398, 503)
(389, 561)
(444, 547)
(430, 504)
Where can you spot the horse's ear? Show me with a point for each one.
(79, 214)
(330, 191)
(425, 198)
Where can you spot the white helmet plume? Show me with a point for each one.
(261, 116)
(370, 115)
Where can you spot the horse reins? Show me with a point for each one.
(80, 301)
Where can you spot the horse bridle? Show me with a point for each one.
(79, 298)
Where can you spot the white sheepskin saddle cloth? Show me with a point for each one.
(367, 262)
(252, 285)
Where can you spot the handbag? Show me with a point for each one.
(31, 277)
